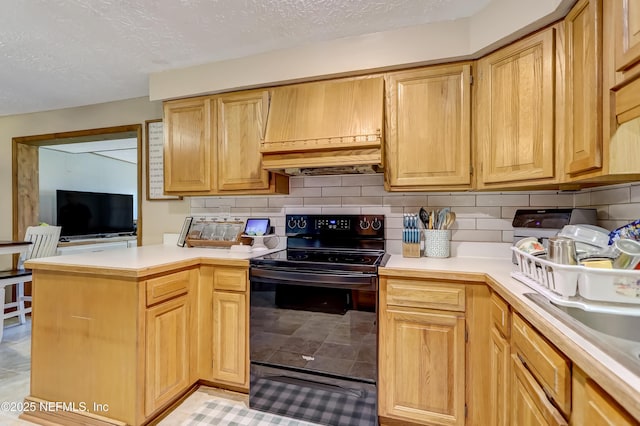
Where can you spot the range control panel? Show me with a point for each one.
(357, 225)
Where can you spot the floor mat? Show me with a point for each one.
(231, 413)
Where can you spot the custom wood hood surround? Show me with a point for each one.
(325, 124)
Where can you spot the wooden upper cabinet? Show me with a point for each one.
(187, 145)
(428, 138)
(583, 107)
(241, 125)
(627, 31)
(627, 59)
(516, 113)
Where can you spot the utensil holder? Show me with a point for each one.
(437, 242)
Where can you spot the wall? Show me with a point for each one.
(157, 216)
(82, 172)
(481, 216)
(500, 22)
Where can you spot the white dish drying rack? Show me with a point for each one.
(579, 284)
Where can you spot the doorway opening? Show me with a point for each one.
(26, 170)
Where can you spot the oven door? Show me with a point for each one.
(313, 334)
(324, 323)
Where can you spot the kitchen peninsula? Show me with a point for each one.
(127, 333)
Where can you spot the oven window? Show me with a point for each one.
(326, 330)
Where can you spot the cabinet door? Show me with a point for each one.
(230, 338)
(516, 111)
(583, 108)
(429, 127)
(241, 125)
(167, 352)
(529, 404)
(627, 29)
(423, 362)
(499, 386)
(187, 145)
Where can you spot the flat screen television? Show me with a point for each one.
(94, 213)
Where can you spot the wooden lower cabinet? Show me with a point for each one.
(499, 385)
(529, 404)
(432, 357)
(593, 406)
(221, 354)
(423, 362)
(230, 338)
(167, 352)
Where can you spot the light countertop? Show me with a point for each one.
(145, 260)
(622, 383)
(137, 262)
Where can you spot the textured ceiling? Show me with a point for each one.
(63, 53)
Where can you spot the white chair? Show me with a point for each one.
(44, 242)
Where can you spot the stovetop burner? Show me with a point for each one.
(330, 243)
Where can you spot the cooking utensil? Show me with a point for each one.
(450, 218)
(424, 217)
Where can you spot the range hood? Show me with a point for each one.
(325, 127)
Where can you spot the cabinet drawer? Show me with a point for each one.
(548, 365)
(500, 315)
(426, 294)
(231, 279)
(167, 287)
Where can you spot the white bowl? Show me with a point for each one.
(588, 234)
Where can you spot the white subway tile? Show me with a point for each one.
(237, 211)
(635, 193)
(477, 212)
(323, 201)
(374, 191)
(363, 180)
(507, 236)
(266, 211)
(554, 200)
(475, 235)
(464, 223)
(582, 199)
(305, 192)
(296, 182)
(628, 212)
(341, 210)
(385, 210)
(612, 224)
(220, 202)
(341, 191)
(303, 210)
(322, 181)
(502, 200)
(196, 211)
(611, 196)
(196, 202)
(499, 224)
(411, 200)
(393, 222)
(451, 200)
(362, 201)
(602, 212)
(252, 202)
(285, 201)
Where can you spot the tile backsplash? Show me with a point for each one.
(481, 216)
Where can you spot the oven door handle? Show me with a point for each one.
(346, 281)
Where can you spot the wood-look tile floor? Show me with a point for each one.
(15, 357)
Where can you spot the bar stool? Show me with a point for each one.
(44, 242)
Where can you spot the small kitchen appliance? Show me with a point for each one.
(545, 223)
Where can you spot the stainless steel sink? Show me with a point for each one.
(616, 325)
(617, 335)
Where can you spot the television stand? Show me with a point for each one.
(85, 245)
